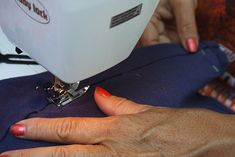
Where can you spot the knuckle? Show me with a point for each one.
(60, 152)
(65, 128)
(195, 3)
(121, 125)
(23, 154)
(36, 127)
(120, 104)
(115, 124)
(187, 28)
(177, 2)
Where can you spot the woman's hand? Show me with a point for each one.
(173, 21)
(132, 130)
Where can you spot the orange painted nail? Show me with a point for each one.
(192, 45)
(18, 130)
(102, 92)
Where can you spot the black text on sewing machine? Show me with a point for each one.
(41, 13)
(26, 4)
(33, 7)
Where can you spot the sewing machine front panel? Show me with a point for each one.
(75, 39)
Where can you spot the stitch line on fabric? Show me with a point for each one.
(148, 64)
(136, 68)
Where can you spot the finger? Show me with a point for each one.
(64, 130)
(173, 35)
(63, 151)
(164, 39)
(151, 34)
(184, 11)
(113, 105)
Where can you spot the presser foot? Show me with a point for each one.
(62, 94)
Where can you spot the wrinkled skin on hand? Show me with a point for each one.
(173, 21)
(132, 130)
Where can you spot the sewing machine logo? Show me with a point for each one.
(35, 10)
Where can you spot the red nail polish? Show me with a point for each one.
(192, 44)
(18, 130)
(4, 155)
(102, 92)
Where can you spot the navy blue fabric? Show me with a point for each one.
(161, 75)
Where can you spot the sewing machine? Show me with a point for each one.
(75, 39)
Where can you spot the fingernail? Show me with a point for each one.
(102, 92)
(192, 44)
(18, 130)
(4, 155)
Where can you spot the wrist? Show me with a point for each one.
(223, 142)
(228, 125)
(232, 130)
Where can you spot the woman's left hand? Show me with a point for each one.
(173, 21)
(132, 130)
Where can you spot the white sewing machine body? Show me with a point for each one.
(76, 39)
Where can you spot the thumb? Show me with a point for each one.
(112, 105)
(184, 11)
